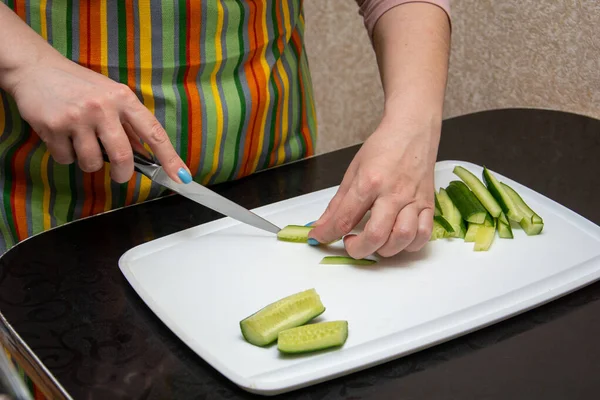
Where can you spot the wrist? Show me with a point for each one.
(419, 114)
(22, 64)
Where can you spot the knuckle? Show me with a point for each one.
(404, 233)
(375, 236)
(123, 92)
(173, 160)
(425, 231)
(120, 157)
(71, 116)
(386, 252)
(344, 225)
(428, 204)
(91, 164)
(371, 181)
(94, 104)
(158, 136)
(55, 124)
(61, 158)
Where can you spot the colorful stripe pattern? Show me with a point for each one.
(229, 81)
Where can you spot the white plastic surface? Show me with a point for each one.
(202, 281)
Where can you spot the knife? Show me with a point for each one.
(198, 193)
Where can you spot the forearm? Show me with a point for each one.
(20, 48)
(412, 45)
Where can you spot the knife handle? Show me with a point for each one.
(138, 159)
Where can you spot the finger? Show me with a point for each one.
(352, 208)
(339, 195)
(136, 142)
(61, 149)
(151, 131)
(89, 156)
(118, 148)
(376, 232)
(403, 232)
(423, 231)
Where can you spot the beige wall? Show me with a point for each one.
(509, 53)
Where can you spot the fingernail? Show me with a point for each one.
(310, 223)
(313, 242)
(184, 175)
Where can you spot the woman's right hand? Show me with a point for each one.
(72, 108)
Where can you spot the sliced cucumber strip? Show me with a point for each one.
(531, 228)
(506, 202)
(438, 231)
(451, 213)
(341, 260)
(504, 229)
(485, 234)
(467, 203)
(479, 189)
(520, 203)
(531, 223)
(262, 327)
(438, 208)
(294, 233)
(471, 232)
(444, 223)
(313, 337)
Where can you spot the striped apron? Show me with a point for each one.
(228, 80)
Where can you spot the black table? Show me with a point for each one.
(64, 296)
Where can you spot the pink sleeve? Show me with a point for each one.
(372, 10)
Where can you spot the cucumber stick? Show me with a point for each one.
(531, 223)
(451, 213)
(471, 232)
(342, 260)
(479, 189)
(504, 229)
(441, 219)
(263, 327)
(313, 337)
(506, 202)
(444, 223)
(438, 231)
(467, 203)
(485, 234)
(294, 233)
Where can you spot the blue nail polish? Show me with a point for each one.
(313, 242)
(184, 175)
(310, 223)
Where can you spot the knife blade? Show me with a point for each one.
(208, 198)
(198, 193)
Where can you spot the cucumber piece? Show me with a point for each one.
(438, 208)
(294, 233)
(444, 223)
(471, 232)
(531, 222)
(504, 229)
(485, 234)
(531, 228)
(526, 211)
(451, 213)
(507, 204)
(479, 189)
(502, 218)
(262, 327)
(467, 203)
(438, 231)
(341, 260)
(313, 337)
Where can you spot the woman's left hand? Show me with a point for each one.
(392, 175)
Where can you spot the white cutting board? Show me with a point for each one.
(202, 281)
